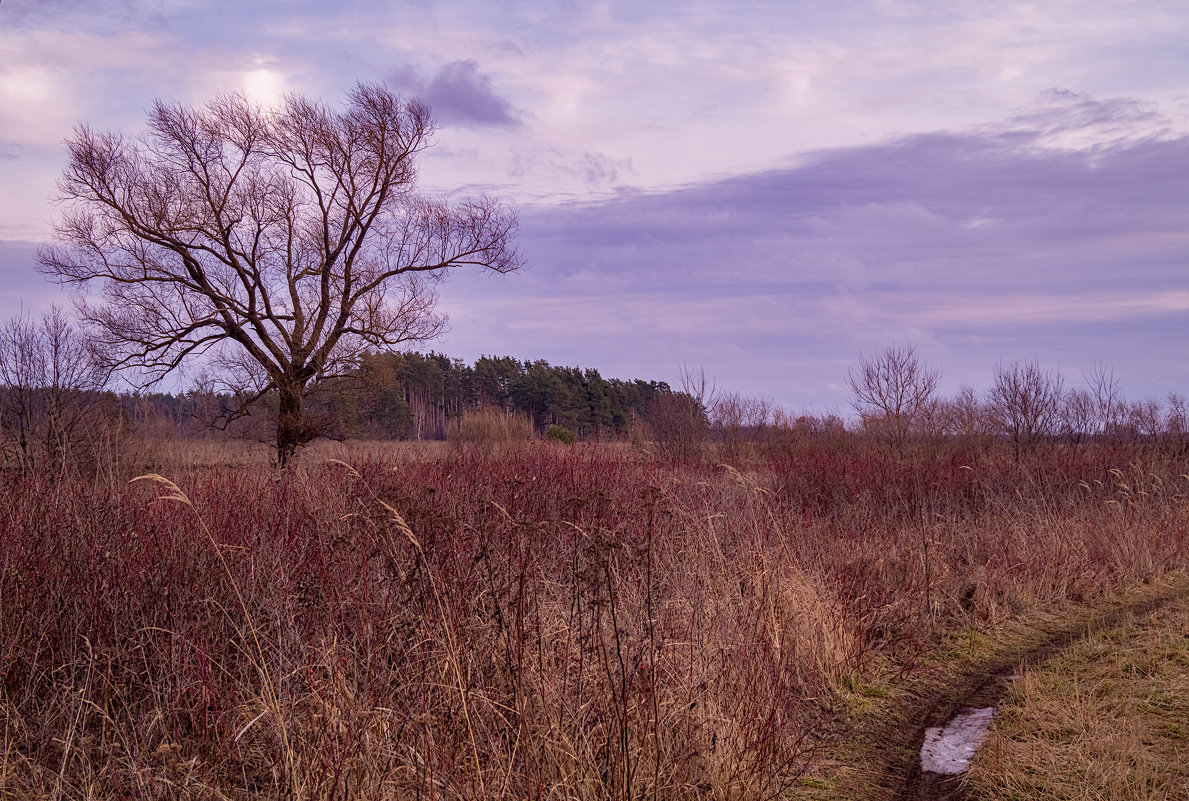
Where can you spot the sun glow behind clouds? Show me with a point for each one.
(25, 95)
(25, 86)
(264, 85)
(258, 79)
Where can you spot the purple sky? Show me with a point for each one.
(761, 188)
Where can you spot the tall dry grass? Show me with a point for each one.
(545, 623)
(491, 428)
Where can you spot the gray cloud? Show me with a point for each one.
(977, 245)
(994, 200)
(459, 94)
(69, 14)
(1061, 111)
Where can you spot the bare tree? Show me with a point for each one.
(1108, 403)
(1026, 401)
(971, 418)
(272, 245)
(678, 420)
(50, 386)
(1176, 422)
(1078, 415)
(1145, 419)
(891, 388)
(739, 421)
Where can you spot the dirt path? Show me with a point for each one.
(882, 762)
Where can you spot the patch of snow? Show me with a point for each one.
(950, 750)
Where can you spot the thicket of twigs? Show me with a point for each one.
(533, 622)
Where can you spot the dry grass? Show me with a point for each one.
(540, 622)
(1107, 719)
(872, 750)
(492, 428)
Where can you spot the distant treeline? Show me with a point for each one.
(420, 396)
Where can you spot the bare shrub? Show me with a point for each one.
(891, 389)
(1145, 419)
(1078, 416)
(1108, 401)
(678, 421)
(50, 394)
(1026, 401)
(971, 418)
(677, 424)
(1176, 423)
(740, 422)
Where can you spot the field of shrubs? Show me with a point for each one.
(532, 620)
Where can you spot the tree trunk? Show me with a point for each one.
(291, 428)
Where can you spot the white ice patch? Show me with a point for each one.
(950, 750)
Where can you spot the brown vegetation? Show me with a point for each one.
(1109, 718)
(53, 412)
(550, 622)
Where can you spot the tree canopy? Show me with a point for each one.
(272, 245)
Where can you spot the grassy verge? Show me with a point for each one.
(1107, 718)
(873, 751)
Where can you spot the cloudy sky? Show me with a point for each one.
(764, 188)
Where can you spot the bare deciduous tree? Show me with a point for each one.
(740, 421)
(1026, 401)
(891, 388)
(679, 420)
(1108, 402)
(971, 417)
(49, 390)
(1078, 415)
(1145, 419)
(1176, 422)
(276, 244)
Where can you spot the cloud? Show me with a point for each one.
(978, 245)
(23, 286)
(593, 169)
(87, 14)
(459, 94)
(903, 209)
(1064, 118)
